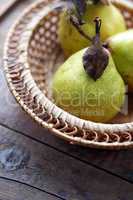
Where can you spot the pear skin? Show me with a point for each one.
(70, 39)
(77, 93)
(121, 46)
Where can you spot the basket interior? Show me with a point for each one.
(45, 55)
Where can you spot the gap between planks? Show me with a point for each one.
(31, 186)
(67, 154)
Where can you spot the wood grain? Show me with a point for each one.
(57, 174)
(11, 190)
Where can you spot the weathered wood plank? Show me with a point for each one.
(25, 160)
(10, 190)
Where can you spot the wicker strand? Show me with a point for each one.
(123, 4)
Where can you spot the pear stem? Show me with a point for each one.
(77, 24)
(96, 40)
(98, 23)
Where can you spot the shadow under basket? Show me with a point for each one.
(32, 53)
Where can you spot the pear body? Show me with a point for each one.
(72, 41)
(121, 46)
(77, 93)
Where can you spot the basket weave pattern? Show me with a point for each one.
(32, 54)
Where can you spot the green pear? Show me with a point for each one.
(79, 94)
(72, 41)
(121, 47)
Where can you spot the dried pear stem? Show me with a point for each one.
(77, 25)
(98, 23)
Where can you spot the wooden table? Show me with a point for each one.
(36, 165)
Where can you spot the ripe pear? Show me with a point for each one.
(79, 94)
(72, 41)
(121, 46)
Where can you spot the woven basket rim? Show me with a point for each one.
(66, 117)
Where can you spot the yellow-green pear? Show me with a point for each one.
(121, 47)
(72, 41)
(79, 94)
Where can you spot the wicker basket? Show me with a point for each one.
(32, 53)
